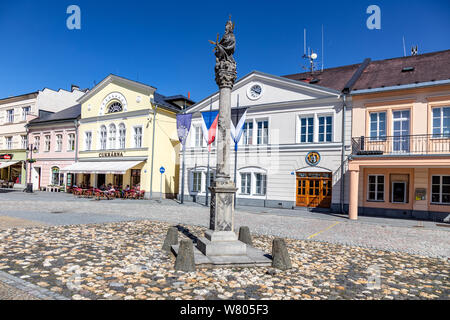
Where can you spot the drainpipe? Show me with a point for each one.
(345, 93)
(76, 123)
(344, 109)
(153, 149)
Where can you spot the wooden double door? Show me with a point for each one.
(314, 190)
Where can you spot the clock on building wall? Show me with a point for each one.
(254, 92)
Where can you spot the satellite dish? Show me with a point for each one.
(314, 56)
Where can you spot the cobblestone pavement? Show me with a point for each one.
(12, 293)
(13, 288)
(124, 261)
(9, 222)
(384, 234)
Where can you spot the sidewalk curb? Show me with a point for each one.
(34, 290)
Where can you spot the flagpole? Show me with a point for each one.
(183, 145)
(209, 154)
(235, 152)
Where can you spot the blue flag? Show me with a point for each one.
(183, 126)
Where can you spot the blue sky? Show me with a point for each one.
(165, 43)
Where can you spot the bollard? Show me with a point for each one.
(280, 255)
(171, 239)
(245, 236)
(185, 258)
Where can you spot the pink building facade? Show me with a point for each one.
(53, 137)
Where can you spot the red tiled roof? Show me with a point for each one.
(386, 73)
(333, 78)
(427, 67)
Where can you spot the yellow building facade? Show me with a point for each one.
(115, 136)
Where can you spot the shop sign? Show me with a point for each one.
(313, 158)
(6, 156)
(110, 154)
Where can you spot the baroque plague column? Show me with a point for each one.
(220, 243)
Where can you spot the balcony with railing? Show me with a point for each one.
(432, 144)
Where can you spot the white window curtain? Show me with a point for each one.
(112, 136)
(103, 137)
(122, 136)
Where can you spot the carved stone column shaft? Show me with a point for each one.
(223, 135)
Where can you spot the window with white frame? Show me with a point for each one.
(440, 189)
(9, 143)
(307, 129)
(138, 137)
(375, 189)
(10, 115)
(441, 122)
(122, 136)
(247, 133)
(261, 184)
(198, 136)
(59, 139)
(378, 125)
(71, 142)
(25, 112)
(196, 181)
(112, 136)
(87, 141)
(246, 183)
(263, 132)
(103, 137)
(37, 143)
(47, 143)
(24, 142)
(325, 128)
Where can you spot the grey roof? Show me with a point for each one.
(179, 97)
(71, 113)
(164, 102)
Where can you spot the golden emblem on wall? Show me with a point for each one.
(313, 158)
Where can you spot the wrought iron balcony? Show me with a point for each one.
(432, 144)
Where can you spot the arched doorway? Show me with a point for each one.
(314, 189)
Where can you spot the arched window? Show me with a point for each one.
(122, 136)
(57, 177)
(115, 107)
(112, 136)
(103, 136)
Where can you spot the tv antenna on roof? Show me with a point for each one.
(311, 56)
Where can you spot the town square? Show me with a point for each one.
(322, 178)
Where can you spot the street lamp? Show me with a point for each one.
(30, 148)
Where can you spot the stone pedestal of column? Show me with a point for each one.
(221, 240)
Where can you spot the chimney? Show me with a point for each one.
(75, 87)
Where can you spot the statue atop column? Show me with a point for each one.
(225, 68)
(220, 245)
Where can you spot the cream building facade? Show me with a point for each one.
(115, 138)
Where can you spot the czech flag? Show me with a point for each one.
(238, 117)
(209, 126)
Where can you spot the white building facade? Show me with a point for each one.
(291, 149)
(15, 114)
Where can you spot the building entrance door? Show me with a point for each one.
(101, 180)
(314, 190)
